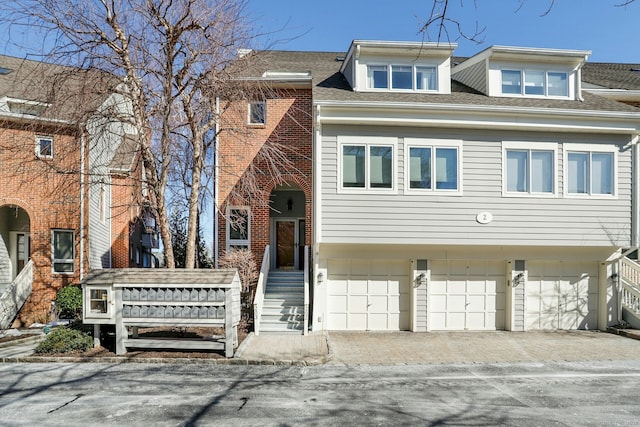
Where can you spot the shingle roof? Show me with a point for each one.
(123, 157)
(152, 276)
(71, 92)
(330, 85)
(612, 76)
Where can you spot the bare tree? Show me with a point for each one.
(172, 62)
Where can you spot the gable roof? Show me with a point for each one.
(328, 84)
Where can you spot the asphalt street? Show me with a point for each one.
(558, 393)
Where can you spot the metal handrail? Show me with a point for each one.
(16, 295)
(261, 288)
(305, 329)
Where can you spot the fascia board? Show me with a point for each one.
(29, 118)
(617, 94)
(479, 116)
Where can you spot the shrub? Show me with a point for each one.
(69, 302)
(64, 340)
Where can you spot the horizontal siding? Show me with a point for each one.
(430, 218)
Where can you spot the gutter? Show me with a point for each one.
(82, 200)
(216, 216)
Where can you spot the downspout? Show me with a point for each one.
(216, 243)
(579, 81)
(82, 190)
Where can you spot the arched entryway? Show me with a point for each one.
(287, 222)
(15, 241)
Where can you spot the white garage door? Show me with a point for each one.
(467, 295)
(561, 295)
(368, 295)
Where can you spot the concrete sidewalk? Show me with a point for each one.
(293, 349)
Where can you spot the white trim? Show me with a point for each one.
(523, 71)
(66, 260)
(589, 148)
(247, 241)
(434, 144)
(529, 146)
(367, 142)
(403, 63)
(40, 138)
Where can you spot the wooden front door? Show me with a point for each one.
(286, 243)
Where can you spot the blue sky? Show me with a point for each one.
(610, 32)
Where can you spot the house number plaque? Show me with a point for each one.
(484, 217)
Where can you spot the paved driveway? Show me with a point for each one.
(478, 347)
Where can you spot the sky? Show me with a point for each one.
(610, 32)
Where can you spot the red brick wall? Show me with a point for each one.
(288, 127)
(51, 198)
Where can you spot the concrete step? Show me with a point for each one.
(283, 310)
(281, 327)
(282, 302)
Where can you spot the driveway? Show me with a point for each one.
(353, 348)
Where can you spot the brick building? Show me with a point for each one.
(71, 187)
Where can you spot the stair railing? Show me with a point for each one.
(12, 300)
(261, 288)
(305, 330)
(630, 286)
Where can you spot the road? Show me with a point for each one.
(576, 393)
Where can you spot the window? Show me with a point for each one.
(238, 226)
(590, 173)
(44, 147)
(536, 83)
(62, 251)
(367, 166)
(257, 113)
(530, 171)
(403, 77)
(433, 167)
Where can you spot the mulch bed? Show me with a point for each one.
(165, 332)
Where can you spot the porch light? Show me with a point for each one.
(320, 277)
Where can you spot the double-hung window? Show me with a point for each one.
(62, 251)
(257, 113)
(530, 168)
(367, 165)
(535, 83)
(402, 77)
(44, 147)
(433, 166)
(590, 172)
(238, 228)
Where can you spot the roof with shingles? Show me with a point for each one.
(330, 85)
(612, 75)
(72, 93)
(153, 276)
(125, 154)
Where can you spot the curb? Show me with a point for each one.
(627, 333)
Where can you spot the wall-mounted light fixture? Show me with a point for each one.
(320, 277)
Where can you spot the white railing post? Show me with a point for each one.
(260, 290)
(305, 329)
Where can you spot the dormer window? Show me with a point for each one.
(535, 83)
(402, 77)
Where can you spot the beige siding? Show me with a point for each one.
(428, 218)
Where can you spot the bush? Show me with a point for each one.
(65, 340)
(69, 302)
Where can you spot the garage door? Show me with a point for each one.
(467, 295)
(368, 295)
(561, 295)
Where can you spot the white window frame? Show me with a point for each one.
(523, 72)
(529, 146)
(368, 142)
(413, 88)
(250, 115)
(433, 144)
(590, 148)
(71, 260)
(39, 138)
(238, 242)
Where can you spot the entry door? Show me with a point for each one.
(286, 243)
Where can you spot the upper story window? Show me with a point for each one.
(433, 166)
(62, 251)
(367, 165)
(590, 172)
(530, 169)
(44, 147)
(535, 83)
(238, 228)
(257, 113)
(402, 77)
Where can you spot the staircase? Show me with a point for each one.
(283, 307)
(14, 295)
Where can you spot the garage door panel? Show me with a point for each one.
(438, 286)
(456, 303)
(338, 303)
(378, 304)
(357, 321)
(378, 287)
(358, 303)
(458, 287)
(477, 318)
(339, 286)
(358, 287)
(337, 321)
(476, 303)
(456, 321)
